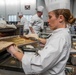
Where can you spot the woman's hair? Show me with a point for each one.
(67, 15)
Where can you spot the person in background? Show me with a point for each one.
(23, 21)
(52, 59)
(36, 23)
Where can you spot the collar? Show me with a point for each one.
(59, 29)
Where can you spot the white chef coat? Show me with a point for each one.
(25, 23)
(52, 58)
(36, 23)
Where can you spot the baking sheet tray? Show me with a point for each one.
(44, 35)
(19, 41)
(6, 29)
(11, 64)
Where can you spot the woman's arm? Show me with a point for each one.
(18, 55)
(42, 40)
(36, 37)
(16, 52)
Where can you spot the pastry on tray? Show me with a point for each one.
(5, 44)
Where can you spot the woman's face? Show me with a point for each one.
(53, 21)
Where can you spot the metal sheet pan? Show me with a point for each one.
(6, 29)
(11, 64)
(16, 41)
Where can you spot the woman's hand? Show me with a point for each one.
(13, 49)
(32, 36)
(36, 37)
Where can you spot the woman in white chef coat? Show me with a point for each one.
(36, 23)
(51, 60)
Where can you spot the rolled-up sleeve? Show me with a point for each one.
(26, 63)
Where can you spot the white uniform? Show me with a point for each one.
(25, 23)
(52, 58)
(36, 23)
